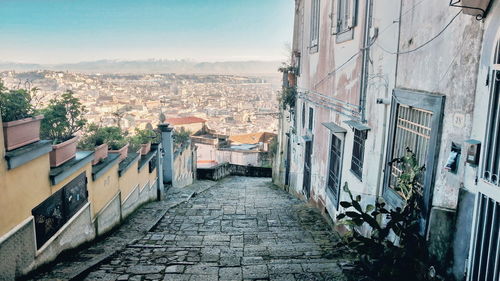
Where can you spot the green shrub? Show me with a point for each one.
(181, 136)
(15, 104)
(142, 136)
(64, 116)
(379, 257)
(96, 135)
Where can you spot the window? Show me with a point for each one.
(491, 164)
(311, 118)
(358, 152)
(303, 115)
(416, 119)
(314, 27)
(334, 170)
(344, 14)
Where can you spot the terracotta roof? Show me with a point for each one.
(185, 120)
(253, 138)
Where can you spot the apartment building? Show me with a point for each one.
(373, 78)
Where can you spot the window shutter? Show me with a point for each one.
(334, 17)
(351, 19)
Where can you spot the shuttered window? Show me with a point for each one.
(314, 26)
(358, 152)
(334, 170)
(344, 14)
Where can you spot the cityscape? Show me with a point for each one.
(236, 140)
(231, 104)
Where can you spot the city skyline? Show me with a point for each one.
(54, 31)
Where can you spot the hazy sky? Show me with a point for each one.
(55, 31)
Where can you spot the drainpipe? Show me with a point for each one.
(366, 59)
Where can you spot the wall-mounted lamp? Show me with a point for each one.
(475, 8)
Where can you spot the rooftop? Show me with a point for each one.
(185, 120)
(253, 138)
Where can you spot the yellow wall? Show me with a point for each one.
(103, 189)
(24, 187)
(143, 176)
(128, 181)
(21, 189)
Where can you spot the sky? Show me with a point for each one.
(65, 31)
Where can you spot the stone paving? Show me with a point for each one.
(239, 229)
(72, 265)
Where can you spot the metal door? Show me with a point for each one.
(307, 169)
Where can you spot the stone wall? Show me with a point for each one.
(184, 165)
(226, 169)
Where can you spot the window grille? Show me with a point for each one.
(303, 115)
(491, 164)
(416, 121)
(485, 258)
(334, 171)
(311, 118)
(314, 28)
(358, 152)
(413, 131)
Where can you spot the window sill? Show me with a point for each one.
(345, 36)
(313, 49)
(359, 177)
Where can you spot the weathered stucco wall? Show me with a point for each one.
(184, 166)
(447, 66)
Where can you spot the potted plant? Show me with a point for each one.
(115, 138)
(142, 139)
(20, 125)
(94, 139)
(64, 116)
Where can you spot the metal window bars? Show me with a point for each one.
(413, 130)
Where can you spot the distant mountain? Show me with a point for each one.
(153, 66)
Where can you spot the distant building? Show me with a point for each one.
(246, 150)
(191, 123)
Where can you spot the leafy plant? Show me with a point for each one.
(96, 135)
(142, 136)
(64, 116)
(406, 254)
(15, 104)
(287, 97)
(181, 136)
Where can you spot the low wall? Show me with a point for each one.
(226, 169)
(184, 166)
(109, 216)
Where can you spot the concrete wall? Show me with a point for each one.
(17, 250)
(246, 158)
(109, 216)
(28, 185)
(184, 166)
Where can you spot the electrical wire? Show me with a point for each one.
(373, 42)
(424, 44)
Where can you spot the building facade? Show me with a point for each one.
(373, 78)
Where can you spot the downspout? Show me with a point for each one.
(366, 59)
(384, 147)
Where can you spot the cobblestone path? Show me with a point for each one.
(240, 229)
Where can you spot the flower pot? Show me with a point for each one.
(145, 148)
(100, 152)
(62, 152)
(123, 152)
(21, 132)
